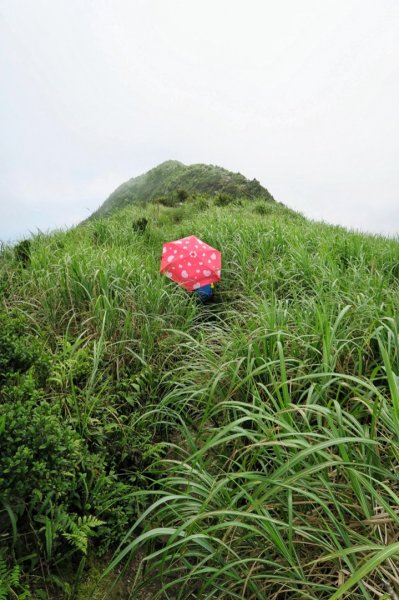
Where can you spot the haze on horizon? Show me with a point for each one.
(302, 96)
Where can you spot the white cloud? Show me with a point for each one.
(301, 95)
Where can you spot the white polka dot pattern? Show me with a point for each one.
(181, 263)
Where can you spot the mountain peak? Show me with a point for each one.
(172, 175)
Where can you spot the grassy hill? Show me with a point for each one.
(242, 449)
(172, 177)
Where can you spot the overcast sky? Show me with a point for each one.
(303, 95)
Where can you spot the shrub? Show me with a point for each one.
(223, 199)
(22, 252)
(199, 203)
(182, 195)
(263, 209)
(20, 352)
(140, 225)
(40, 455)
(169, 201)
(52, 485)
(173, 199)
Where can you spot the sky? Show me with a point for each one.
(302, 95)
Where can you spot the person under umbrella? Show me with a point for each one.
(193, 264)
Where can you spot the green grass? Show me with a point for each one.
(257, 438)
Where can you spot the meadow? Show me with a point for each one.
(245, 449)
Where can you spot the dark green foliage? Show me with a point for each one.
(173, 199)
(140, 225)
(114, 501)
(20, 351)
(43, 465)
(40, 456)
(263, 209)
(223, 199)
(182, 195)
(22, 252)
(169, 201)
(57, 489)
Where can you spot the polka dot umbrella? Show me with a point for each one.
(191, 263)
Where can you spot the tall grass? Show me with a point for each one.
(277, 406)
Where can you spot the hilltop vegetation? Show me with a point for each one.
(242, 449)
(172, 177)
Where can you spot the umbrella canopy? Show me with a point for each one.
(191, 263)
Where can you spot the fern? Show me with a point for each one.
(14, 576)
(78, 532)
(10, 582)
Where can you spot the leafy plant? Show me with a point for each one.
(39, 454)
(78, 531)
(20, 350)
(11, 584)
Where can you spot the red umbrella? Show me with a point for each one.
(191, 263)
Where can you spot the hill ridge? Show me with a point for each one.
(173, 175)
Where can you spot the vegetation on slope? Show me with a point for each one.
(172, 177)
(245, 449)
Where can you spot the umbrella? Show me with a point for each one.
(191, 263)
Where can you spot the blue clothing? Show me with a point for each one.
(205, 292)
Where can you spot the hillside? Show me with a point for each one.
(172, 176)
(247, 448)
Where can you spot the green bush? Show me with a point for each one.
(223, 199)
(22, 252)
(20, 350)
(182, 195)
(40, 455)
(58, 490)
(168, 201)
(263, 209)
(173, 199)
(140, 225)
(199, 203)
(53, 485)
(43, 462)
